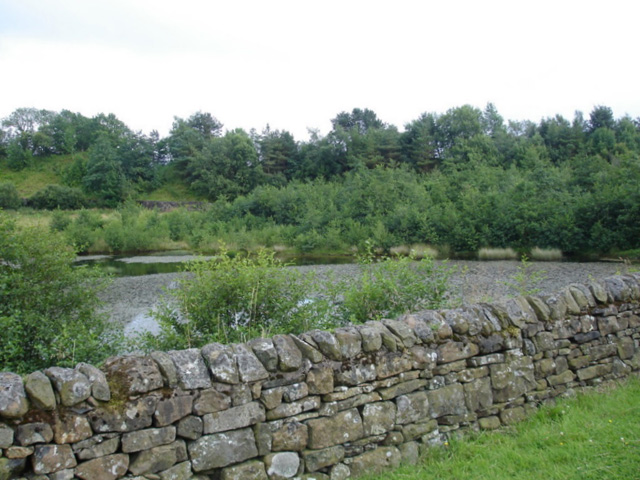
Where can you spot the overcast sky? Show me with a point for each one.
(296, 64)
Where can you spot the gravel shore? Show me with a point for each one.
(129, 300)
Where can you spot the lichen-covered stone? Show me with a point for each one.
(349, 340)
(327, 343)
(190, 368)
(32, 433)
(320, 380)
(210, 401)
(355, 374)
(167, 368)
(402, 388)
(13, 398)
(71, 428)
(99, 386)
(133, 375)
(454, 351)
(343, 427)
(266, 353)
(289, 356)
(133, 415)
(249, 367)
(375, 461)
(418, 430)
(371, 338)
(292, 436)
(378, 418)
(252, 470)
(402, 331)
(294, 408)
(157, 459)
(222, 362)
(478, 394)
(40, 391)
(234, 418)
(393, 363)
(307, 350)
(172, 409)
(282, 465)
(52, 458)
(96, 446)
(512, 379)
(412, 407)
(318, 459)
(148, 438)
(222, 449)
(104, 468)
(449, 400)
(190, 427)
(6, 436)
(181, 471)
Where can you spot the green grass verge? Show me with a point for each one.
(592, 437)
(44, 171)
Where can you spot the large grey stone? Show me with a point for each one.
(222, 449)
(133, 375)
(181, 471)
(371, 338)
(320, 380)
(343, 427)
(447, 400)
(291, 436)
(520, 312)
(355, 373)
(402, 331)
(190, 368)
(105, 468)
(234, 418)
(350, 341)
(307, 350)
(222, 363)
(478, 394)
(40, 391)
(13, 399)
(96, 446)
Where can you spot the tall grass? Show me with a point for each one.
(594, 436)
(546, 254)
(497, 254)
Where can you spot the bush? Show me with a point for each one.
(231, 299)
(9, 197)
(388, 287)
(48, 308)
(57, 196)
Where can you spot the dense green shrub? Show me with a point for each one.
(9, 197)
(233, 298)
(57, 196)
(48, 308)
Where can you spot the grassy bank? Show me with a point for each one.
(593, 436)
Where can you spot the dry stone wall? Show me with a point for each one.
(319, 405)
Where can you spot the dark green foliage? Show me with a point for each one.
(9, 197)
(57, 196)
(105, 177)
(48, 309)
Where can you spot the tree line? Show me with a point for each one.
(465, 178)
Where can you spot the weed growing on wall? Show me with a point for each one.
(390, 286)
(526, 280)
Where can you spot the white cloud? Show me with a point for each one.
(297, 64)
